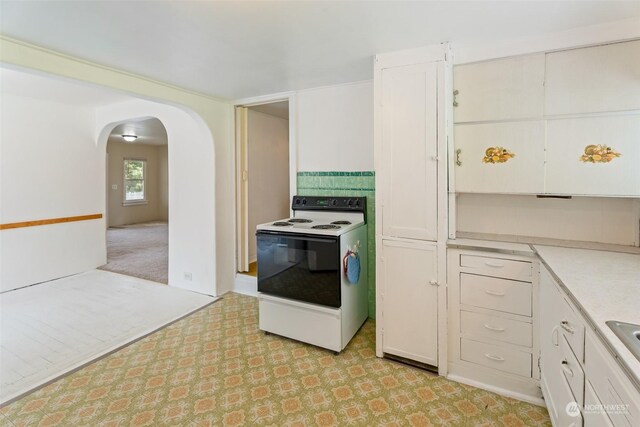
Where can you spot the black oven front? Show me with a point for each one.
(299, 266)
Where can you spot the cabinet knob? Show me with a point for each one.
(434, 283)
(458, 161)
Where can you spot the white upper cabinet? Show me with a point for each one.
(571, 118)
(500, 157)
(594, 156)
(410, 149)
(505, 89)
(595, 79)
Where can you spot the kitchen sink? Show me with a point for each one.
(629, 334)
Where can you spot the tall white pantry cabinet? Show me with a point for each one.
(411, 89)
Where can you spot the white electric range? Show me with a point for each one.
(312, 271)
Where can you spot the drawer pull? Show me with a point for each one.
(492, 357)
(493, 264)
(566, 327)
(494, 293)
(493, 328)
(554, 336)
(566, 369)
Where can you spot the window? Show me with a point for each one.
(134, 181)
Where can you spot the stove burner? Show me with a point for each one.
(282, 224)
(341, 222)
(326, 227)
(299, 220)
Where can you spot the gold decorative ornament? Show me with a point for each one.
(598, 154)
(497, 155)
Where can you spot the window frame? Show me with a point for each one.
(144, 200)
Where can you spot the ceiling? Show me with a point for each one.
(278, 109)
(149, 132)
(239, 49)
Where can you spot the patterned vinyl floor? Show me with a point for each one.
(215, 368)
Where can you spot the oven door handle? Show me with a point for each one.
(305, 237)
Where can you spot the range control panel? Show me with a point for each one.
(341, 203)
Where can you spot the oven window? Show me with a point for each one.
(304, 268)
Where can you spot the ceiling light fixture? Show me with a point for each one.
(129, 138)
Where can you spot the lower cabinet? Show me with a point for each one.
(610, 386)
(581, 380)
(492, 321)
(410, 300)
(562, 376)
(594, 418)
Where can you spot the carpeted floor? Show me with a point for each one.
(215, 368)
(139, 250)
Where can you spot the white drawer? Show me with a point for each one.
(572, 328)
(572, 371)
(496, 357)
(496, 294)
(498, 267)
(313, 324)
(497, 328)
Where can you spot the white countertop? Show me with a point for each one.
(605, 286)
(503, 239)
(492, 245)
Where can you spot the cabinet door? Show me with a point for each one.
(582, 156)
(504, 89)
(483, 166)
(410, 301)
(409, 149)
(594, 416)
(611, 385)
(593, 79)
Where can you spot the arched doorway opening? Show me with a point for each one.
(137, 202)
(191, 188)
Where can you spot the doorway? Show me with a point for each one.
(138, 200)
(264, 174)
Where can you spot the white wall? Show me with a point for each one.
(335, 128)
(49, 168)
(163, 181)
(156, 207)
(268, 158)
(591, 219)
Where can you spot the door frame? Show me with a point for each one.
(290, 97)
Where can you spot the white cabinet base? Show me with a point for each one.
(525, 389)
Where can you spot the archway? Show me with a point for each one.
(191, 189)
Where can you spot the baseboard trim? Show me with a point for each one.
(246, 285)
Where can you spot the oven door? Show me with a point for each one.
(299, 266)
